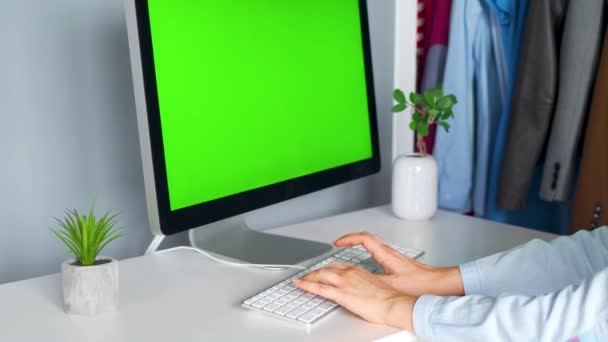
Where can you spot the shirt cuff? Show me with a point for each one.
(422, 316)
(471, 280)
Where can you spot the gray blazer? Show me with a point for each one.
(548, 62)
(581, 45)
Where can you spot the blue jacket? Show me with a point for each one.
(475, 74)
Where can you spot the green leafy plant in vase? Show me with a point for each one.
(427, 109)
(90, 281)
(415, 182)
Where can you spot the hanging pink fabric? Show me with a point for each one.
(423, 17)
(437, 29)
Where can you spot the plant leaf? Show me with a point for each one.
(416, 99)
(416, 116)
(399, 107)
(431, 96)
(399, 96)
(413, 125)
(107, 241)
(86, 235)
(447, 114)
(445, 103)
(423, 129)
(445, 125)
(433, 113)
(452, 98)
(69, 244)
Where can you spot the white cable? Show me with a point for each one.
(231, 263)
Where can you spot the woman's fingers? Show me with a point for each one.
(323, 290)
(381, 252)
(338, 265)
(329, 276)
(353, 239)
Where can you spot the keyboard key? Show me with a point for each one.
(282, 301)
(317, 300)
(309, 317)
(261, 303)
(316, 312)
(326, 306)
(300, 300)
(284, 310)
(359, 258)
(308, 296)
(295, 313)
(308, 305)
(272, 296)
(272, 306)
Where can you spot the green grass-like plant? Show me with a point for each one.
(432, 107)
(85, 235)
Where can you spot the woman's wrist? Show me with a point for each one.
(400, 313)
(445, 281)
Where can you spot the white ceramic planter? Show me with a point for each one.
(414, 187)
(89, 290)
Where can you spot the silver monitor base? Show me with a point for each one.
(232, 238)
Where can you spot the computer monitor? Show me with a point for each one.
(245, 103)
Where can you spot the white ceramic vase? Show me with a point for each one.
(414, 187)
(90, 290)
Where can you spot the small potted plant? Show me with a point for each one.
(414, 187)
(90, 281)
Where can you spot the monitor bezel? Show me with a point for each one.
(175, 221)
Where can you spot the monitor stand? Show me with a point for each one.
(234, 239)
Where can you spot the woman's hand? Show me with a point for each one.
(362, 293)
(404, 274)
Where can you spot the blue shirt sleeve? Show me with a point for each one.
(538, 291)
(572, 313)
(538, 267)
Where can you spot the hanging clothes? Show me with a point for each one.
(591, 197)
(422, 19)
(550, 61)
(578, 62)
(538, 214)
(436, 44)
(473, 76)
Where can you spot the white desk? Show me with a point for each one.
(183, 296)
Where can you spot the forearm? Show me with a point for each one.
(444, 281)
(557, 316)
(541, 267)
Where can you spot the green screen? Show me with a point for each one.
(255, 92)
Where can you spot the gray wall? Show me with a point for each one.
(68, 131)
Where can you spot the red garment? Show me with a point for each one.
(436, 33)
(421, 31)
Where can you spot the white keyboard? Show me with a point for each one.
(286, 301)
